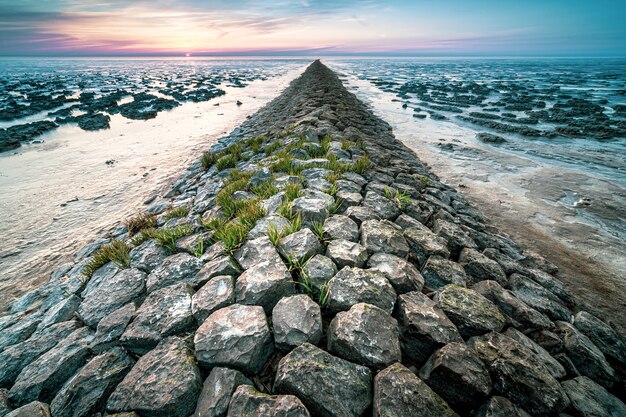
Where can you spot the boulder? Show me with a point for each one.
(220, 266)
(602, 335)
(501, 407)
(312, 208)
(217, 391)
(341, 227)
(165, 312)
(19, 331)
(62, 311)
(236, 336)
(366, 335)
(383, 236)
(423, 327)
(354, 285)
(299, 246)
(507, 264)
(256, 250)
(588, 399)
(263, 226)
(259, 177)
(539, 298)
(165, 381)
(348, 199)
(398, 392)
(359, 214)
(403, 276)
(455, 236)
(296, 320)
(424, 243)
(472, 313)
(383, 207)
(458, 375)
(181, 267)
(247, 401)
(319, 270)
(328, 386)
(478, 267)
(34, 409)
(439, 272)
(217, 293)
(346, 253)
(264, 284)
(552, 365)
(111, 327)
(551, 284)
(86, 392)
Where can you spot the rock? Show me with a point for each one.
(479, 267)
(585, 356)
(455, 236)
(507, 264)
(361, 213)
(217, 391)
(383, 236)
(4, 402)
(299, 246)
(220, 266)
(319, 270)
(537, 297)
(247, 401)
(354, 285)
(236, 336)
(603, 336)
(194, 243)
(406, 222)
(111, 327)
(296, 320)
(63, 311)
(346, 253)
(348, 199)
(312, 209)
(34, 409)
(19, 331)
(518, 314)
(255, 251)
(588, 399)
(219, 292)
(16, 357)
(165, 312)
(423, 327)
(472, 313)
(87, 391)
(111, 294)
(341, 227)
(366, 335)
(439, 272)
(398, 392)
(552, 365)
(328, 386)
(490, 138)
(551, 284)
(259, 177)
(535, 261)
(264, 284)
(181, 267)
(500, 407)
(147, 256)
(263, 225)
(165, 381)
(42, 378)
(403, 276)
(272, 204)
(424, 243)
(383, 207)
(518, 375)
(457, 374)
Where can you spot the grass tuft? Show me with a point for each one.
(232, 235)
(117, 252)
(293, 191)
(143, 221)
(168, 237)
(176, 212)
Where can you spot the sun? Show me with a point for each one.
(188, 54)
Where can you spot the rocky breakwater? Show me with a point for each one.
(308, 265)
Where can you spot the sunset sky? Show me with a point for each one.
(312, 27)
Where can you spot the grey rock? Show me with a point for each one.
(423, 327)
(296, 320)
(165, 312)
(272, 204)
(398, 392)
(319, 270)
(383, 207)
(518, 375)
(455, 236)
(518, 313)
(361, 213)
(585, 356)
(552, 284)
(589, 399)
(341, 227)
(10, 319)
(19, 331)
(479, 267)
(351, 286)
(406, 222)
(299, 246)
(328, 386)
(500, 407)
(424, 243)
(472, 313)
(111, 327)
(552, 365)
(313, 174)
(220, 266)
(536, 261)
(366, 335)
(348, 200)
(348, 186)
(263, 226)
(4, 402)
(63, 311)
(403, 276)
(458, 375)
(539, 298)
(219, 292)
(383, 236)
(214, 251)
(508, 264)
(194, 243)
(312, 209)
(346, 253)
(247, 401)
(147, 256)
(255, 251)
(87, 391)
(355, 178)
(217, 391)
(237, 336)
(34, 409)
(264, 284)
(602, 335)
(259, 177)
(42, 378)
(181, 267)
(165, 381)
(439, 272)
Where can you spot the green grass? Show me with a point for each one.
(318, 229)
(346, 144)
(143, 221)
(296, 223)
(274, 234)
(361, 165)
(334, 208)
(176, 212)
(232, 235)
(265, 190)
(168, 237)
(322, 298)
(270, 148)
(325, 144)
(250, 213)
(285, 210)
(236, 174)
(198, 250)
(213, 223)
(208, 160)
(400, 198)
(117, 252)
(293, 191)
(226, 161)
(424, 181)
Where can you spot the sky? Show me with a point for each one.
(313, 27)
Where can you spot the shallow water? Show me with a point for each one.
(61, 194)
